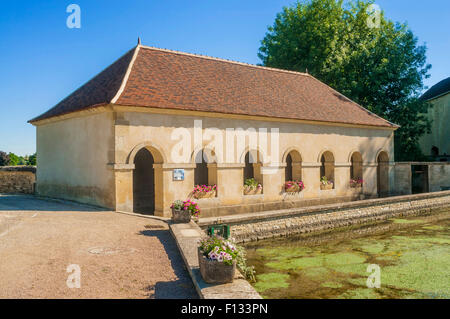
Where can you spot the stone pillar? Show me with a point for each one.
(391, 174)
(273, 181)
(230, 182)
(342, 178)
(369, 176)
(123, 178)
(311, 179)
(168, 190)
(402, 179)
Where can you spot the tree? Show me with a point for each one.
(32, 160)
(14, 159)
(4, 159)
(380, 66)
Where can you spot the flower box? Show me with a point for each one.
(252, 191)
(293, 186)
(210, 194)
(356, 183)
(181, 216)
(326, 186)
(204, 191)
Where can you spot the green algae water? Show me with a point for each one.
(413, 255)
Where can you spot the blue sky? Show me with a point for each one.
(42, 61)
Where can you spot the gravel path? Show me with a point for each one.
(120, 256)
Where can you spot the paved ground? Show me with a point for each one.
(120, 256)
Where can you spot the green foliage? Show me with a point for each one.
(14, 159)
(32, 160)
(251, 182)
(380, 68)
(241, 262)
(4, 159)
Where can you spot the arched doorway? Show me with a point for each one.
(356, 166)
(144, 182)
(382, 174)
(201, 169)
(293, 170)
(327, 166)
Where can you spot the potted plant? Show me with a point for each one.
(293, 186)
(252, 187)
(183, 211)
(217, 260)
(325, 184)
(204, 191)
(356, 182)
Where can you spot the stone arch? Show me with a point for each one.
(384, 156)
(293, 150)
(252, 160)
(147, 184)
(326, 151)
(258, 153)
(293, 159)
(205, 173)
(153, 148)
(209, 154)
(382, 161)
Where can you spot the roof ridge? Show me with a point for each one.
(224, 60)
(126, 76)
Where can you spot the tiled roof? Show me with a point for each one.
(436, 90)
(167, 79)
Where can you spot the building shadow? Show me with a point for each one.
(24, 202)
(182, 287)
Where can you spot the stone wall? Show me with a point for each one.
(257, 226)
(17, 179)
(438, 176)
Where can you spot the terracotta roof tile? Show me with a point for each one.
(175, 80)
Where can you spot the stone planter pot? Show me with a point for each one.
(181, 216)
(355, 185)
(214, 272)
(326, 187)
(252, 191)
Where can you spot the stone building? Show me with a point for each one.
(132, 138)
(436, 145)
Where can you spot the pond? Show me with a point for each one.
(413, 255)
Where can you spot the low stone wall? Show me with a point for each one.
(17, 179)
(437, 173)
(257, 226)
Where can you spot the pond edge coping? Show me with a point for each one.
(187, 237)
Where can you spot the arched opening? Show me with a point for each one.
(293, 170)
(201, 169)
(327, 167)
(382, 174)
(144, 182)
(205, 174)
(356, 166)
(252, 169)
